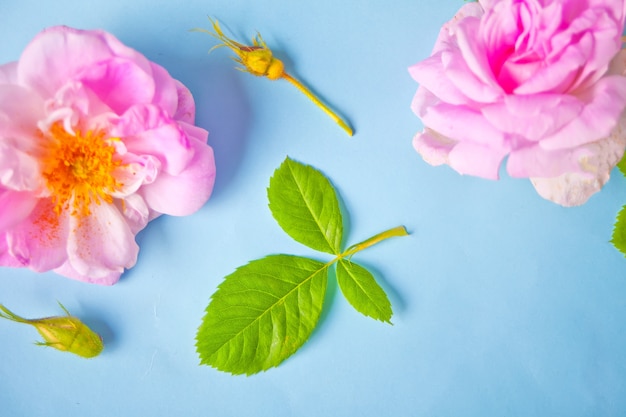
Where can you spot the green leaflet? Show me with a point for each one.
(622, 165)
(304, 204)
(264, 311)
(619, 231)
(362, 291)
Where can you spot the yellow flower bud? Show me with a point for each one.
(66, 333)
(258, 59)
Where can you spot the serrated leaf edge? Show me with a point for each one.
(341, 261)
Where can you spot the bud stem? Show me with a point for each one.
(318, 103)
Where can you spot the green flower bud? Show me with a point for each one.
(66, 333)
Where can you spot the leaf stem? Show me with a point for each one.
(394, 232)
(303, 89)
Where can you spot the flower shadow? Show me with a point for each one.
(223, 109)
(222, 105)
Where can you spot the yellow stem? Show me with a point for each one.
(318, 103)
(395, 232)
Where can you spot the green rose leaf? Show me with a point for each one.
(362, 291)
(622, 165)
(304, 203)
(262, 313)
(619, 231)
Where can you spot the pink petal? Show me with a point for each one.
(107, 278)
(533, 117)
(8, 73)
(534, 161)
(606, 42)
(462, 124)
(186, 110)
(147, 130)
(38, 242)
(166, 94)
(100, 245)
(119, 83)
(186, 192)
(15, 206)
(136, 212)
(134, 172)
(431, 75)
(575, 188)
(433, 147)
(64, 53)
(20, 109)
(557, 77)
(6, 258)
(474, 52)
(476, 159)
(468, 83)
(605, 102)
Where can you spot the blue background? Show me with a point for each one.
(505, 304)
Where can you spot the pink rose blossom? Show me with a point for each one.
(538, 81)
(95, 141)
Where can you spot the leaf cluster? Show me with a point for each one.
(266, 310)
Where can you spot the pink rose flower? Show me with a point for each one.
(539, 81)
(95, 141)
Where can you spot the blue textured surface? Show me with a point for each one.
(505, 304)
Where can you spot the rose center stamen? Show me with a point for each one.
(78, 169)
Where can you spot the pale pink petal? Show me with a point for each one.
(559, 76)
(8, 73)
(575, 188)
(185, 193)
(455, 121)
(186, 110)
(166, 94)
(534, 161)
(606, 34)
(135, 211)
(431, 75)
(475, 159)
(147, 130)
(487, 4)
(433, 147)
(38, 243)
(65, 52)
(15, 206)
(19, 171)
(19, 112)
(100, 245)
(20, 109)
(465, 81)
(106, 278)
(119, 83)
(6, 258)
(134, 172)
(474, 51)
(605, 102)
(533, 117)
